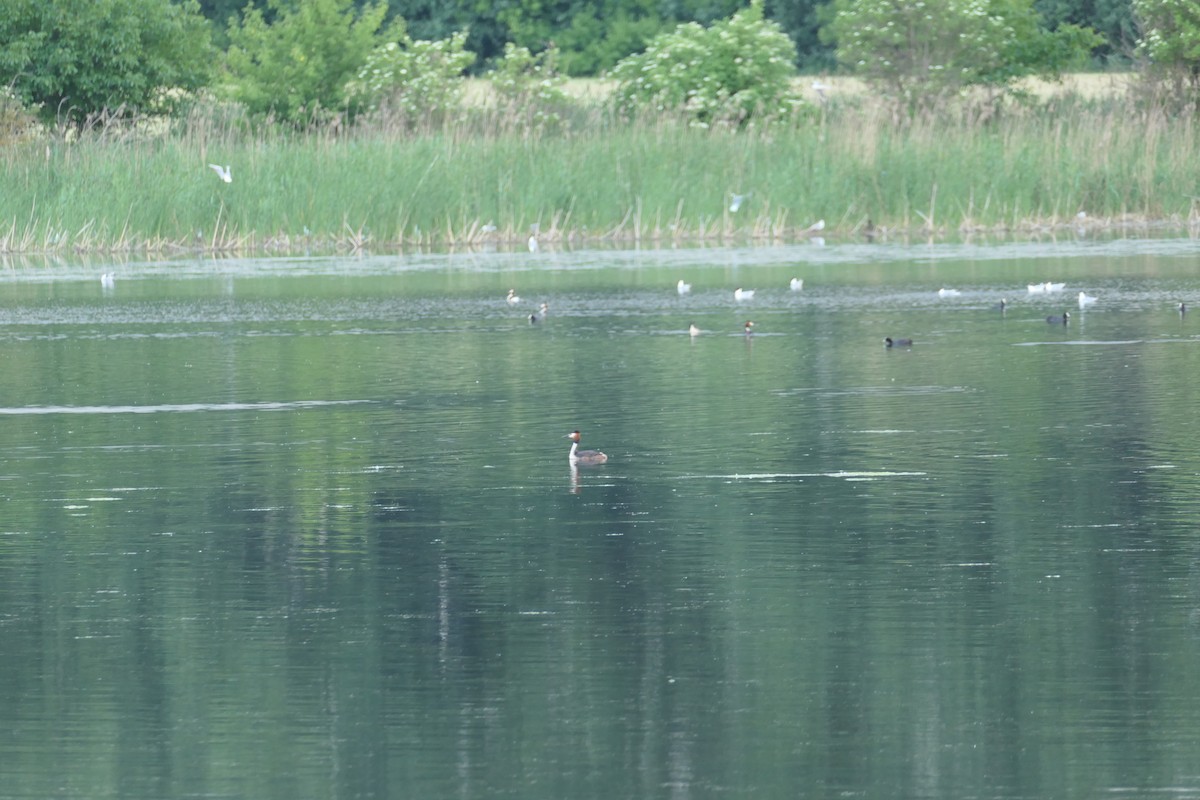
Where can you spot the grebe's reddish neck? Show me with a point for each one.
(578, 456)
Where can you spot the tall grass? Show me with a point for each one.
(478, 179)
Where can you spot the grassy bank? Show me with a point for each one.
(849, 164)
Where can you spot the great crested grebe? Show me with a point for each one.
(512, 297)
(578, 456)
(748, 327)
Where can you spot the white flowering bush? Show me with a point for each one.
(734, 71)
(1170, 41)
(414, 79)
(528, 88)
(921, 51)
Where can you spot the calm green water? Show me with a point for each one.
(306, 528)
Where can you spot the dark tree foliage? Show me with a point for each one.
(1112, 19)
(591, 35)
(802, 21)
(220, 11)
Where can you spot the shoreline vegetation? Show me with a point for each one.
(1080, 155)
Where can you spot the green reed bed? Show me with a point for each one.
(602, 179)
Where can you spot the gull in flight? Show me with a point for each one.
(222, 172)
(738, 199)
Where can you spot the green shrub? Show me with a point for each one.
(73, 59)
(529, 89)
(922, 52)
(297, 67)
(16, 122)
(734, 71)
(414, 79)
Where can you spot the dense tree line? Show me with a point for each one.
(309, 61)
(592, 35)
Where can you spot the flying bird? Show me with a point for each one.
(222, 172)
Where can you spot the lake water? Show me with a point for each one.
(305, 528)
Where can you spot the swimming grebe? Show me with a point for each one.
(683, 288)
(1182, 309)
(1059, 320)
(1002, 305)
(743, 294)
(512, 297)
(890, 342)
(578, 456)
(797, 284)
(748, 327)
